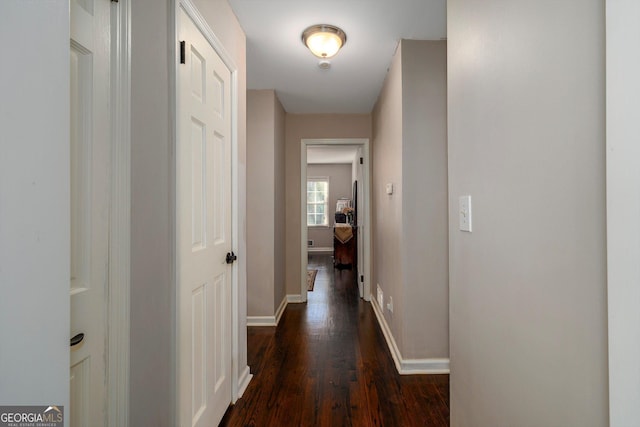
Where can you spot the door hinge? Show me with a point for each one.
(183, 54)
(362, 278)
(361, 160)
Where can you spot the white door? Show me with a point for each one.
(90, 161)
(203, 231)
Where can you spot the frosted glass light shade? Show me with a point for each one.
(324, 41)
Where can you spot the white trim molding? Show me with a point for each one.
(261, 321)
(119, 294)
(295, 299)
(408, 366)
(319, 250)
(268, 320)
(243, 383)
(280, 311)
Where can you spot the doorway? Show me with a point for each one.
(361, 177)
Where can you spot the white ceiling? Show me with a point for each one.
(331, 154)
(277, 59)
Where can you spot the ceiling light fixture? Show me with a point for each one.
(323, 40)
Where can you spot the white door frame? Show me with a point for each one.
(623, 209)
(118, 298)
(366, 196)
(190, 9)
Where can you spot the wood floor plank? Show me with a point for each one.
(327, 364)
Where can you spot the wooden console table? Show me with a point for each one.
(345, 253)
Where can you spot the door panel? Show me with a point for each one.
(203, 231)
(198, 186)
(198, 357)
(90, 168)
(81, 109)
(218, 302)
(221, 190)
(79, 385)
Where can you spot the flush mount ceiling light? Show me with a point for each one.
(323, 40)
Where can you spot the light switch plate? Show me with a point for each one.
(389, 188)
(464, 213)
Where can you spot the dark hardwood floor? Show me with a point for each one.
(327, 364)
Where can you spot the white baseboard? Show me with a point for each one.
(408, 366)
(243, 382)
(319, 250)
(295, 299)
(425, 366)
(283, 305)
(261, 321)
(268, 320)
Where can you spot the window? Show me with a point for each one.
(317, 202)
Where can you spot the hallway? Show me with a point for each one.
(327, 364)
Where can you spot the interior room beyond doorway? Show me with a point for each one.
(334, 205)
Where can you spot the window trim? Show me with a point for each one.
(326, 203)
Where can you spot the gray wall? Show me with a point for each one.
(410, 226)
(152, 287)
(340, 185)
(425, 237)
(265, 206)
(152, 321)
(526, 141)
(386, 213)
(280, 288)
(34, 204)
(260, 203)
(623, 210)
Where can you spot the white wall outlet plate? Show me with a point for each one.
(464, 213)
